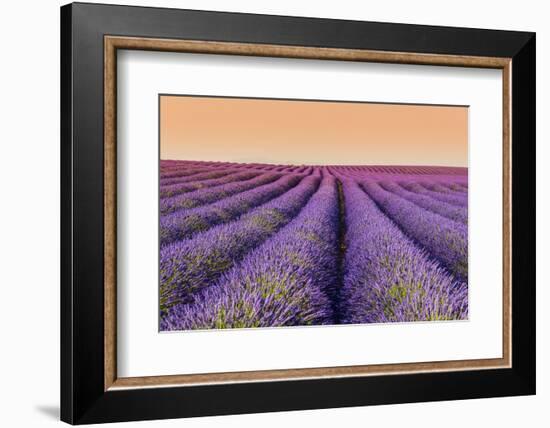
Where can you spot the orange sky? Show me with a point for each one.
(305, 132)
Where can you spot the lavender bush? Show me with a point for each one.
(191, 265)
(285, 281)
(168, 190)
(246, 245)
(208, 195)
(185, 223)
(445, 239)
(387, 277)
(452, 212)
(455, 199)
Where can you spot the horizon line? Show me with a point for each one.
(319, 165)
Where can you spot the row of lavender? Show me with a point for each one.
(256, 245)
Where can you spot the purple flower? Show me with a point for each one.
(285, 281)
(387, 277)
(190, 265)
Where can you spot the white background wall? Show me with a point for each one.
(29, 218)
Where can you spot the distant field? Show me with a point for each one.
(259, 245)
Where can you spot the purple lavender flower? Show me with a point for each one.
(452, 212)
(209, 195)
(387, 277)
(169, 190)
(445, 239)
(185, 223)
(191, 265)
(456, 199)
(260, 245)
(285, 281)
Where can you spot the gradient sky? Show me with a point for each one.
(304, 132)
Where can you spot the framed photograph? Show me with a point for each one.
(265, 213)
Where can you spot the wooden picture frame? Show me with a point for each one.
(91, 390)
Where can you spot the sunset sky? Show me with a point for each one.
(311, 132)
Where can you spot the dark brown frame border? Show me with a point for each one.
(84, 208)
(113, 43)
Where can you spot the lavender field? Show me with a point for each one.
(260, 245)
